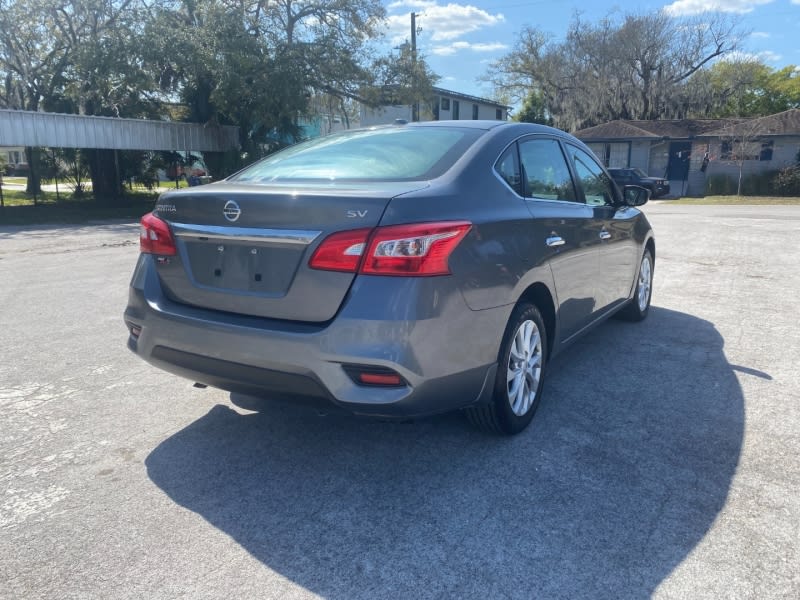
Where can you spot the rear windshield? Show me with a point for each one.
(385, 154)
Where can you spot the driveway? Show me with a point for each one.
(663, 459)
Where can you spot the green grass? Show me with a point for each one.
(741, 200)
(19, 207)
(20, 210)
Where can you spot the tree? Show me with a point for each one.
(75, 56)
(635, 66)
(534, 110)
(749, 88)
(739, 143)
(399, 78)
(31, 63)
(104, 74)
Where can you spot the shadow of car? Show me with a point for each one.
(617, 480)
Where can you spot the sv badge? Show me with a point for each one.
(355, 214)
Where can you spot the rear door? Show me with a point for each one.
(559, 227)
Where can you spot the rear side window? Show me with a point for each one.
(544, 170)
(386, 154)
(508, 168)
(597, 186)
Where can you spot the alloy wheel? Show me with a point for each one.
(645, 282)
(524, 368)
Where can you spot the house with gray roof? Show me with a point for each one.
(689, 151)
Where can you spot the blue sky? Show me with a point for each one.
(461, 38)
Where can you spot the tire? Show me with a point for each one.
(517, 388)
(639, 306)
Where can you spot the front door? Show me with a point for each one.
(609, 232)
(678, 165)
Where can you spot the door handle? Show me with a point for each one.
(555, 240)
(604, 235)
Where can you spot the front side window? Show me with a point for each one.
(597, 187)
(386, 154)
(544, 170)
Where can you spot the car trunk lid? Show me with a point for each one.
(245, 248)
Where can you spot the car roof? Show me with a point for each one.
(466, 124)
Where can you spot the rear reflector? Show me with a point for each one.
(380, 379)
(374, 376)
(419, 249)
(155, 237)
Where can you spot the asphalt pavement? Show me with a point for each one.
(663, 460)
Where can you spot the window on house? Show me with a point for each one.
(766, 150)
(745, 150)
(456, 115)
(474, 112)
(498, 114)
(445, 103)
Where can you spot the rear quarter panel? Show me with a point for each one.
(496, 262)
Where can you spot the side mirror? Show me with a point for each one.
(634, 195)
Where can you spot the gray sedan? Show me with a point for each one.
(399, 271)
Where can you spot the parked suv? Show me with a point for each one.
(658, 187)
(396, 272)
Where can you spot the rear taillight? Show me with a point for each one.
(341, 251)
(420, 249)
(155, 237)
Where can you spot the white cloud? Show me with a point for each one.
(762, 34)
(455, 47)
(681, 8)
(763, 56)
(439, 22)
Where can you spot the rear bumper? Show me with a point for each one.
(420, 328)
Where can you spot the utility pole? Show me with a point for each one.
(415, 104)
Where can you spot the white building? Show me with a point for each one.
(14, 159)
(445, 105)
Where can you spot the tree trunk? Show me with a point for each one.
(34, 184)
(102, 170)
(739, 188)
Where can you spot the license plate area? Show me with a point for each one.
(243, 266)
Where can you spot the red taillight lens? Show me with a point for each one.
(421, 249)
(155, 237)
(341, 251)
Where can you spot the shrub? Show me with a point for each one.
(786, 182)
(720, 185)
